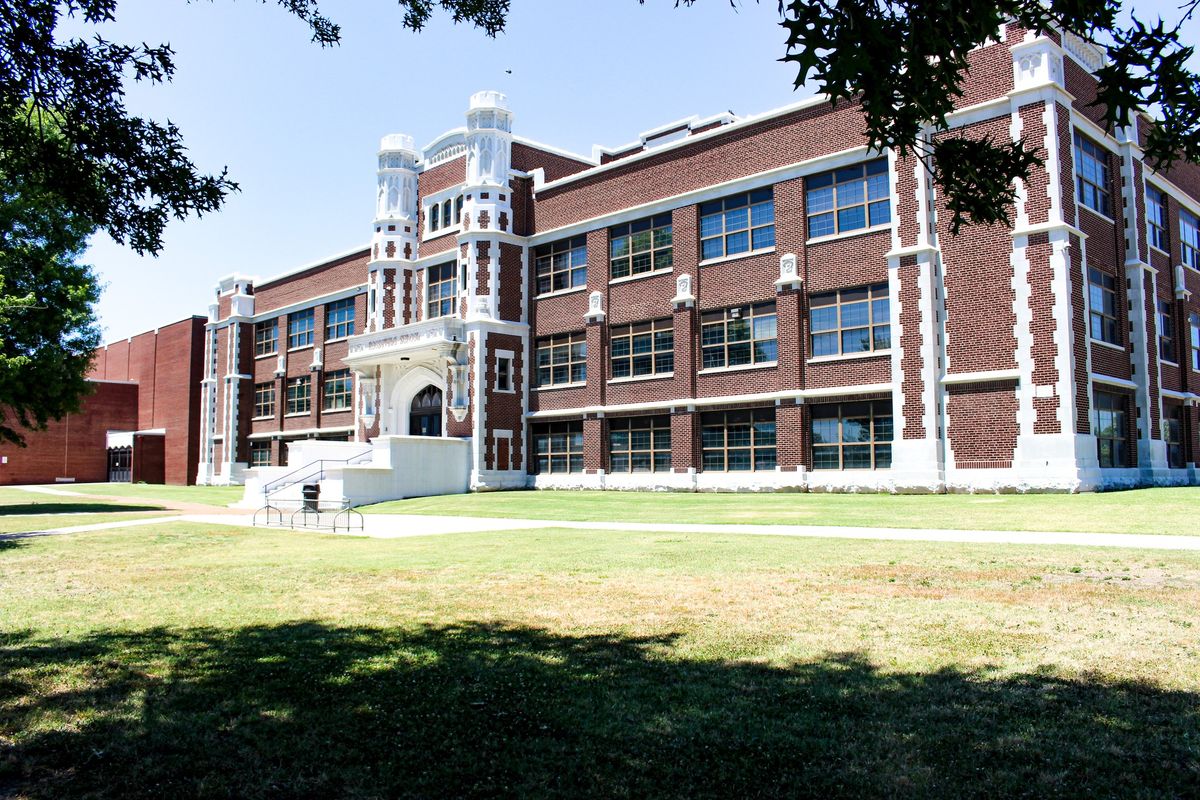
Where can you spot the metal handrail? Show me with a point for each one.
(281, 483)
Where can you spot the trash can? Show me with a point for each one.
(311, 493)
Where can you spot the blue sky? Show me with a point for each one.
(298, 126)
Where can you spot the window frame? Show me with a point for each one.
(294, 400)
(337, 385)
(659, 256)
(659, 353)
(264, 400)
(751, 313)
(877, 443)
(1119, 451)
(441, 283)
(552, 255)
(839, 181)
(575, 347)
(842, 299)
(297, 331)
(571, 453)
(1172, 426)
(338, 327)
(722, 209)
(260, 341)
(1156, 221)
(1194, 333)
(1100, 316)
(504, 374)
(1189, 239)
(656, 453)
(1090, 153)
(257, 447)
(1168, 341)
(754, 418)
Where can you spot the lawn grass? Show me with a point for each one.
(1166, 511)
(203, 495)
(188, 660)
(32, 521)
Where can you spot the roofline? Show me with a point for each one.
(260, 282)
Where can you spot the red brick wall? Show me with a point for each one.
(326, 278)
(982, 426)
(504, 409)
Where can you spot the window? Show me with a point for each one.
(260, 454)
(266, 337)
(1156, 218)
(561, 265)
(562, 360)
(558, 447)
(1108, 424)
(738, 441)
(1194, 324)
(1102, 292)
(299, 395)
(642, 246)
(504, 374)
(264, 399)
(848, 199)
(644, 348)
(339, 390)
(300, 329)
(1173, 435)
(447, 211)
(458, 204)
(732, 337)
(852, 435)
(639, 444)
(1091, 175)
(738, 224)
(339, 319)
(435, 217)
(850, 321)
(441, 290)
(1189, 239)
(1166, 332)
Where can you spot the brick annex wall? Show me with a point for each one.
(504, 408)
(75, 446)
(982, 424)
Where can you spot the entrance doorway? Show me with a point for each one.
(425, 414)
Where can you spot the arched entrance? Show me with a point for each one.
(425, 413)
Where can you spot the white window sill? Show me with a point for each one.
(641, 275)
(301, 347)
(1166, 363)
(271, 354)
(263, 419)
(833, 237)
(1090, 210)
(1155, 249)
(1119, 348)
(738, 368)
(576, 385)
(635, 378)
(504, 391)
(723, 259)
(561, 292)
(848, 356)
(440, 232)
(338, 410)
(298, 414)
(339, 339)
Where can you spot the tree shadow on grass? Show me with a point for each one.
(74, 508)
(305, 710)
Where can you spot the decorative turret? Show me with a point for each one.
(489, 157)
(395, 229)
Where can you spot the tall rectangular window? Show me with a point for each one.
(1173, 436)
(643, 348)
(339, 390)
(1194, 324)
(1156, 218)
(850, 321)
(339, 319)
(558, 447)
(264, 399)
(504, 381)
(639, 444)
(738, 336)
(848, 199)
(852, 435)
(1091, 175)
(1102, 292)
(561, 265)
(1189, 239)
(562, 359)
(738, 441)
(641, 246)
(299, 395)
(300, 329)
(1108, 425)
(266, 337)
(260, 454)
(1167, 350)
(441, 290)
(739, 224)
